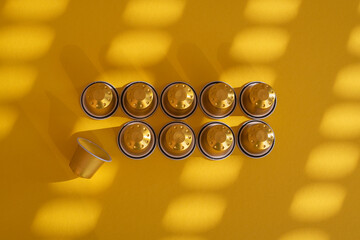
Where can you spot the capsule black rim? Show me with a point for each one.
(170, 156)
(243, 149)
(124, 151)
(131, 115)
(249, 114)
(92, 115)
(202, 150)
(171, 115)
(209, 114)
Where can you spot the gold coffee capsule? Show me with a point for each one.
(177, 140)
(217, 100)
(178, 100)
(88, 158)
(137, 139)
(99, 100)
(256, 138)
(139, 100)
(216, 140)
(257, 100)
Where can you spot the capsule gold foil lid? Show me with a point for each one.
(216, 140)
(177, 140)
(99, 100)
(257, 100)
(139, 100)
(256, 138)
(137, 139)
(88, 158)
(178, 100)
(217, 100)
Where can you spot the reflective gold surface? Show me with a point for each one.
(216, 140)
(88, 158)
(301, 47)
(139, 100)
(99, 100)
(178, 100)
(136, 140)
(177, 140)
(256, 138)
(218, 99)
(258, 100)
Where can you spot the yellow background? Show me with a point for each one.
(306, 189)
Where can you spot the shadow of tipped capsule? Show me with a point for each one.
(177, 140)
(256, 138)
(257, 100)
(217, 100)
(99, 100)
(178, 100)
(139, 100)
(88, 158)
(137, 140)
(216, 140)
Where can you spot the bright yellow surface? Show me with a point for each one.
(306, 189)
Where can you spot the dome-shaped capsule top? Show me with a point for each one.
(257, 100)
(136, 139)
(139, 100)
(217, 100)
(256, 138)
(216, 140)
(99, 100)
(178, 100)
(177, 140)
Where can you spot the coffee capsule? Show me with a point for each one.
(178, 100)
(217, 100)
(137, 140)
(177, 140)
(99, 100)
(139, 100)
(216, 140)
(256, 138)
(257, 100)
(88, 158)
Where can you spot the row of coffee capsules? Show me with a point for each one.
(178, 100)
(177, 140)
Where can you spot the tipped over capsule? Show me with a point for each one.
(88, 158)
(137, 140)
(216, 140)
(256, 138)
(217, 100)
(99, 100)
(139, 100)
(257, 100)
(177, 140)
(178, 100)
